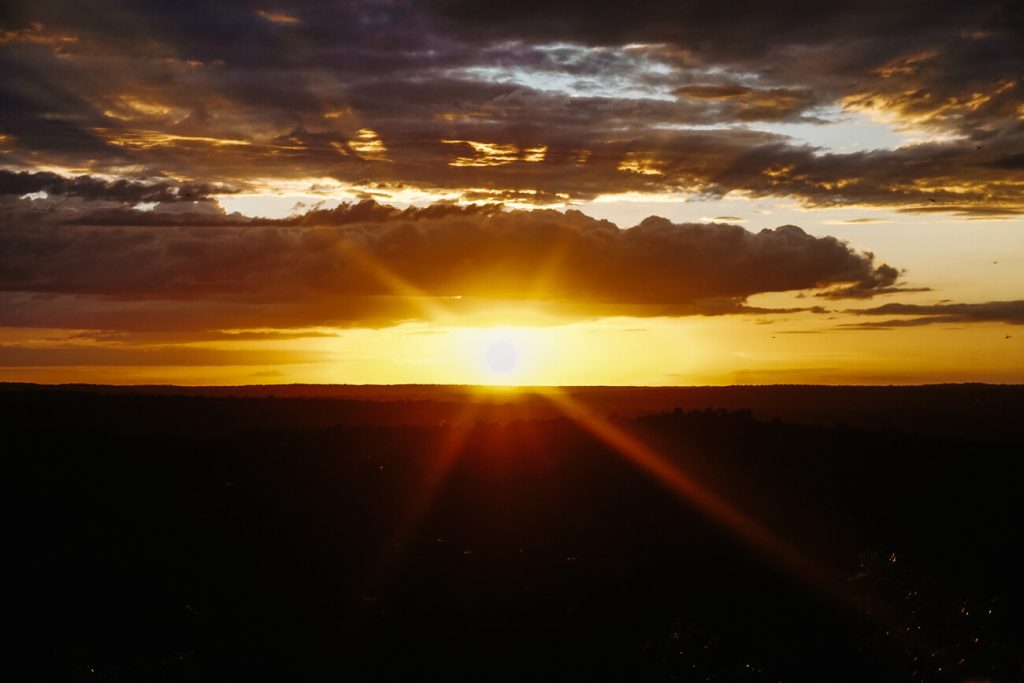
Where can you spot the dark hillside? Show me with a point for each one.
(172, 538)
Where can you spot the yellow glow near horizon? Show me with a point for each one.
(556, 344)
(798, 349)
(505, 355)
(502, 357)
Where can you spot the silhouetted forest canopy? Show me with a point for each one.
(448, 534)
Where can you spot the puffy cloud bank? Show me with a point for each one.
(367, 264)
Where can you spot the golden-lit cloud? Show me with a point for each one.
(131, 107)
(913, 107)
(750, 104)
(279, 18)
(149, 139)
(368, 145)
(371, 264)
(495, 154)
(638, 163)
(532, 155)
(342, 113)
(675, 108)
(37, 34)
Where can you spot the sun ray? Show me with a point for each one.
(779, 551)
(427, 304)
(453, 443)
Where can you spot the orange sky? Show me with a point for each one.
(388, 192)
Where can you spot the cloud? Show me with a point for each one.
(268, 374)
(13, 356)
(879, 281)
(742, 103)
(136, 338)
(36, 34)
(97, 189)
(367, 264)
(450, 95)
(279, 18)
(1010, 312)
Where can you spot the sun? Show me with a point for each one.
(502, 356)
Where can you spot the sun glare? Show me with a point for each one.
(506, 355)
(502, 357)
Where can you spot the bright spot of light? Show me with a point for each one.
(502, 356)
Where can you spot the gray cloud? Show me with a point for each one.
(880, 281)
(1011, 312)
(225, 94)
(97, 189)
(369, 264)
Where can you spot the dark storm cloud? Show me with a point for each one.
(188, 209)
(742, 103)
(368, 264)
(737, 28)
(232, 92)
(1011, 312)
(98, 189)
(955, 65)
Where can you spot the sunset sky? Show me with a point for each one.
(387, 191)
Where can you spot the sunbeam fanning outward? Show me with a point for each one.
(412, 513)
(526, 340)
(774, 548)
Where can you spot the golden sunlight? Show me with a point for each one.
(575, 340)
(502, 357)
(506, 355)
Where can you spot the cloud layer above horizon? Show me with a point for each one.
(534, 102)
(370, 264)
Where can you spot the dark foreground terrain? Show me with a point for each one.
(457, 536)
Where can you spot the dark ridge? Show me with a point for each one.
(975, 410)
(186, 538)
